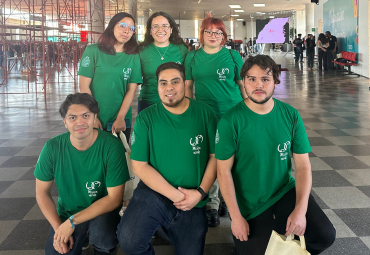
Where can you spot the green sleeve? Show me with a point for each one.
(117, 170)
(140, 140)
(184, 51)
(225, 140)
(44, 168)
(300, 143)
(239, 64)
(136, 75)
(188, 67)
(87, 63)
(212, 126)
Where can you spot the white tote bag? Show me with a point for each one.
(131, 184)
(281, 245)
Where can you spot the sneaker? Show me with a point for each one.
(223, 211)
(213, 219)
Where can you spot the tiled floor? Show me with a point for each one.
(335, 110)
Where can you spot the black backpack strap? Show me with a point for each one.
(234, 62)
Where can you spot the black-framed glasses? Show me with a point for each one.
(164, 27)
(210, 33)
(125, 26)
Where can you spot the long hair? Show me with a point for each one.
(323, 39)
(107, 39)
(175, 36)
(209, 22)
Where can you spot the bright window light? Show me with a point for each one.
(234, 6)
(232, 29)
(238, 11)
(196, 29)
(259, 5)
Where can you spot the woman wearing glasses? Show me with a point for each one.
(215, 73)
(162, 44)
(110, 71)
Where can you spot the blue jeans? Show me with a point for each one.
(141, 105)
(299, 54)
(102, 233)
(148, 211)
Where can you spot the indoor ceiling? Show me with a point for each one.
(197, 9)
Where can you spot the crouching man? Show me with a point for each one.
(172, 152)
(89, 168)
(254, 143)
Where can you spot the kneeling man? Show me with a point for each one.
(254, 143)
(172, 152)
(89, 169)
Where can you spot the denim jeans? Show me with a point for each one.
(102, 233)
(148, 211)
(141, 105)
(299, 54)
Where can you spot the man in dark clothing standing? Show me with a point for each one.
(299, 48)
(310, 50)
(232, 44)
(332, 50)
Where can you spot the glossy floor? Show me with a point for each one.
(335, 110)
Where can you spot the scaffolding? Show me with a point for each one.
(41, 39)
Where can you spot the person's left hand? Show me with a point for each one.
(192, 198)
(119, 125)
(296, 223)
(63, 232)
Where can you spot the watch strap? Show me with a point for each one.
(204, 195)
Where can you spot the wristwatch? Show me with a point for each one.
(204, 195)
(71, 221)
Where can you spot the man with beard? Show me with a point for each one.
(254, 142)
(172, 152)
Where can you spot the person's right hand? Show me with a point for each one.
(240, 228)
(324, 50)
(97, 124)
(63, 248)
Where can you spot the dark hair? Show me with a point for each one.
(323, 39)
(79, 98)
(107, 40)
(328, 32)
(265, 63)
(171, 65)
(174, 38)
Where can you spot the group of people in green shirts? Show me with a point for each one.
(233, 131)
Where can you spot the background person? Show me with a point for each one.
(213, 71)
(254, 142)
(110, 71)
(310, 51)
(299, 43)
(323, 43)
(162, 44)
(332, 49)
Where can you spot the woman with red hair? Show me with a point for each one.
(214, 72)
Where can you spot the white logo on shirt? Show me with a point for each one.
(178, 62)
(222, 73)
(126, 73)
(86, 61)
(133, 138)
(217, 137)
(91, 189)
(283, 150)
(195, 144)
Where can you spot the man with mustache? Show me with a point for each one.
(89, 168)
(254, 143)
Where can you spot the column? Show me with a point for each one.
(310, 18)
(95, 19)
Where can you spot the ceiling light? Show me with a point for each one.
(234, 15)
(238, 11)
(271, 17)
(239, 19)
(234, 6)
(259, 5)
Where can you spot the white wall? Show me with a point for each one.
(187, 28)
(301, 22)
(363, 35)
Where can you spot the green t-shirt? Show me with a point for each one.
(150, 60)
(214, 78)
(110, 76)
(262, 146)
(82, 177)
(177, 146)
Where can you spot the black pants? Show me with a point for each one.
(319, 235)
(310, 57)
(323, 58)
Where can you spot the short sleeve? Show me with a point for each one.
(300, 143)
(188, 67)
(211, 129)
(239, 64)
(136, 75)
(44, 168)
(140, 140)
(87, 63)
(225, 140)
(117, 170)
(184, 51)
